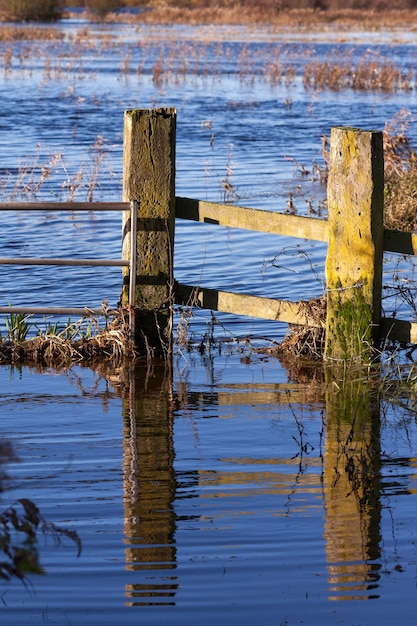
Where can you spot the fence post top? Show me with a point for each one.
(354, 129)
(165, 111)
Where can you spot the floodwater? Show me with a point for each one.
(225, 494)
(225, 488)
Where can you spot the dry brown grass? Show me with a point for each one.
(400, 174)
(174, 61)
(373, 15)
(10, 32)
(72, 183)
(269, 13)
(370, 72)
(302, 340)
(28, 10)
(112, 344)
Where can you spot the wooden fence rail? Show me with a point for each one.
(354, 233)
(287, 225)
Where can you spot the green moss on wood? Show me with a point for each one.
(350, 327)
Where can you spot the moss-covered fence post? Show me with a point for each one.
(149, 179)
(354, 258)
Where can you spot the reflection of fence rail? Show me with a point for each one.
(354, 232)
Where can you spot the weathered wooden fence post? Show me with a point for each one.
(355, 252)
(149, 179)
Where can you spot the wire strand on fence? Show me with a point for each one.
(73, 207)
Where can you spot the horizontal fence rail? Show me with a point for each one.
(241, 304)
(285, 224)
(400, 242)
(252, 219)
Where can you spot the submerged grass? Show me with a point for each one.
(174, 61)
(369, 72)
(12, 32)
(39, 172)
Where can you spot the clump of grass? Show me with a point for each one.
(17, 326)
(400, 174)
(370, 72)
(306, 340)
(80, 341)
(29, 33)
(37, 171)
(32, 175)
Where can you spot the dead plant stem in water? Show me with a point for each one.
(38, 171)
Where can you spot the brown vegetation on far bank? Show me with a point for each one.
(259, 14)
(304, 14)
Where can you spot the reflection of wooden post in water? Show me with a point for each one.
(351, 485)
(149, 487)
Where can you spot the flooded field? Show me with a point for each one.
(222, 494)
(226, 488)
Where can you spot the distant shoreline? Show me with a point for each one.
(348, 19)
(299, 19)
